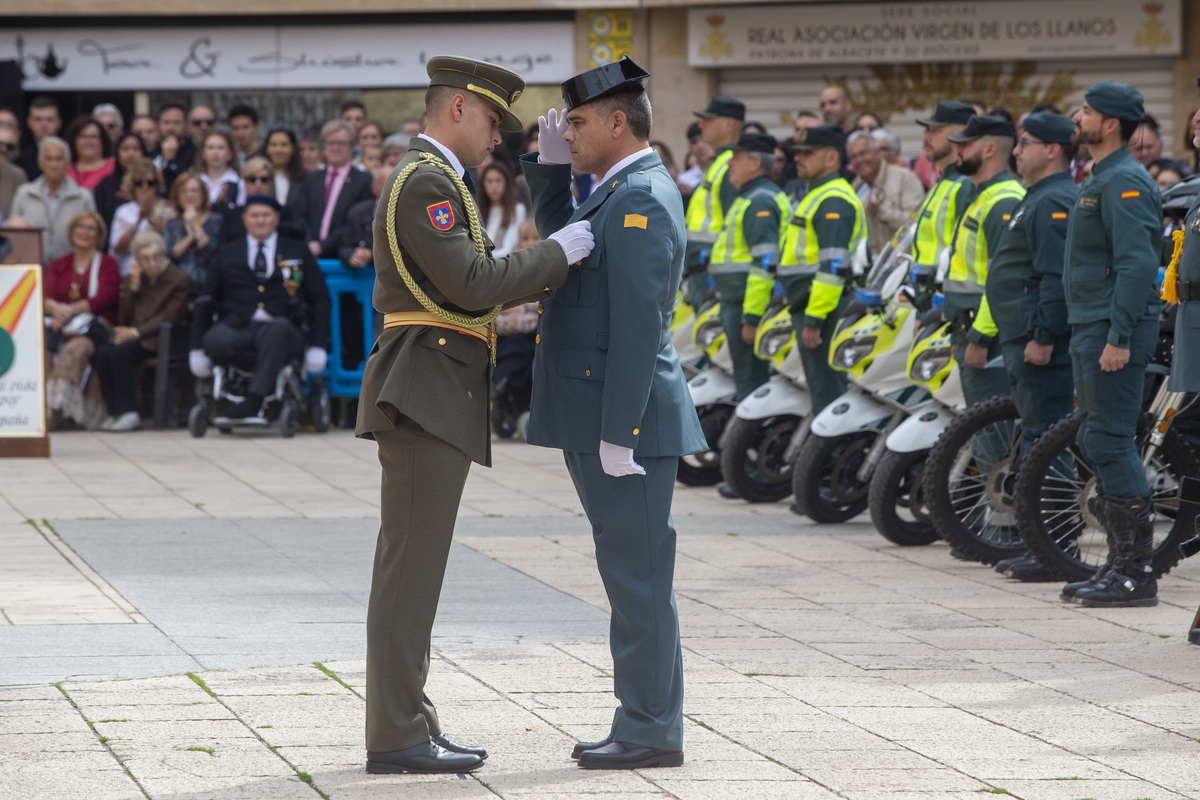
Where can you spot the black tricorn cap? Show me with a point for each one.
(615, 78)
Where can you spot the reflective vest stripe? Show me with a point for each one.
(705, 217)
(935, 221)
(732, 253)
(800, 251)
(969, 261)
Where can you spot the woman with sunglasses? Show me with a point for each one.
(108, 194)
(146, 209)
(258, 178)
(283, 151)
(193, 235)
(214, 163)
(91, 152)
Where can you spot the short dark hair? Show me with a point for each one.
(243, 111)
(805, 113)
(693, 130)
(636, 108)
(1069, 151)
(1129, 127)
(349, 104)
(1048, 108)
(42, 101)
(171, 107)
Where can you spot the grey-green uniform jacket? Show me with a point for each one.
(1185, 367)
(1114, 246)
(439, 378)
(1024, 280)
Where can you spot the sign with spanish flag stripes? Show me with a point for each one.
(1132, 194)
(22, 382)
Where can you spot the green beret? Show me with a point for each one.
(1050, 128)
(499, 86)
(1114, 99)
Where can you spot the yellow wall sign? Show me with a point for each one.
(610, 36)
(22, 365)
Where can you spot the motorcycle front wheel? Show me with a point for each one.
(896, 499)
(824, 477)
(752, 458)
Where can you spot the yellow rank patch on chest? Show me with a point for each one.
(833, 215)
(762, 213)
(635, 221)
(1132, 194)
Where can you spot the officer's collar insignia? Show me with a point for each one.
(441, 215)
(613, 185)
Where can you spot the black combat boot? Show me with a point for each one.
(1130, 581)
(1070, 591)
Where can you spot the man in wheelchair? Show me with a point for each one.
(264, 304)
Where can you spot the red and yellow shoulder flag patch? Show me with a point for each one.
(1058, 215)
(833, 215)
(1006, 217)
(762, 213)
(1132, 194)
(635, 221)
(441, 215)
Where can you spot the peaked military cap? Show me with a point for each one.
(756, 143)
(619, 77)
(985, 126)
(499, 86)
(819, 136)
(1114, 99)
(1050, 128)
(724, 107)
(948, 112)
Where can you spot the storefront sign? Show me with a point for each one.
(872, 33)
(277, 57)
(22, 384)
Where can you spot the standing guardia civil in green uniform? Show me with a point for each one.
(749, 237)
(720, 125)
(608, 389)
(1025, 293)
(1114, 246)
(814, 258)
(947, 199)
(983, 149)
(425, 388)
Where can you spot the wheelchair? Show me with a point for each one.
(296, 401)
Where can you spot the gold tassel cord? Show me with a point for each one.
(1169, 289)
(476, 236)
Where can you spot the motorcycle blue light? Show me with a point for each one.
(869, 297)
(939, 300)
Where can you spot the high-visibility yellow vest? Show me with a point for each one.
(969, 260)
(800, 252)
(935, 221)
(705, 217)
(732, 253)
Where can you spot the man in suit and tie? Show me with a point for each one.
(608, 389)
(270, 300)
(326, 196)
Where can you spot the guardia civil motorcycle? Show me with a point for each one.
(713, 391)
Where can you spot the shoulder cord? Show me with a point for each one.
(476, 237)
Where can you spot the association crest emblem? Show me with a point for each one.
(716, 44)
(441, 216)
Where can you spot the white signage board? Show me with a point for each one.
(278, 57)
(889, 33)
(22, 386)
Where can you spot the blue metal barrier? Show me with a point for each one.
(345, 380)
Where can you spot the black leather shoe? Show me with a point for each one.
(1194, 636)
(454, 747)
(1003, 566)
(619, 755)
(426, 757)
(726, 491)
(1030, 570)
(581, 746)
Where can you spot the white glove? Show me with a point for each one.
(551, 147)
(618, 461)
(576, 239)
(315, 359)
(200, 364)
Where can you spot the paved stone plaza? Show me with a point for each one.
(184, 619)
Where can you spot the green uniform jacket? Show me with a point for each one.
(440, 378)
(1024, 280)
(605, 368)
(1114, 247)
(1185, 367)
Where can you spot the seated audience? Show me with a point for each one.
(52, 200)
(146, 209)
(259, 178)
(889, 193)
(193, 235)
(499, 208)
(328, 194)
(216, 164)
(283, 151)
(108, 194)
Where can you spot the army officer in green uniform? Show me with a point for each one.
(1114, 246)
(608, 390)
(425, 389)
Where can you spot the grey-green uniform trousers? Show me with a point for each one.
(1113, 250)
(1025, 295)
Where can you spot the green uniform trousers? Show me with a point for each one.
(825, 384)
(1110, 403)
(1042, 394)
(635, 553)
(423, 480)
(749, 371)
(980, 384)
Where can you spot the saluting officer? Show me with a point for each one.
(720, 125)
(608, 390)
(814, 257)
(750, 235)
(1114, 245)
(425, 388)
(1025, 293)
(983, 149)
(947, 199)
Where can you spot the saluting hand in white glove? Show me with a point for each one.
(576, 239)
(618, 461)
(551, 147)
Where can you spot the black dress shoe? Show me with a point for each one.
(619, 755)
(426, 757)
(454, 747)
(726, 491)
(579, 747)
(1031, 571)
(1194, 636)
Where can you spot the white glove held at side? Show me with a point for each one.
(315, 359)
(576, 239)
(618, 461)
(551, 147)
(200, 364)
